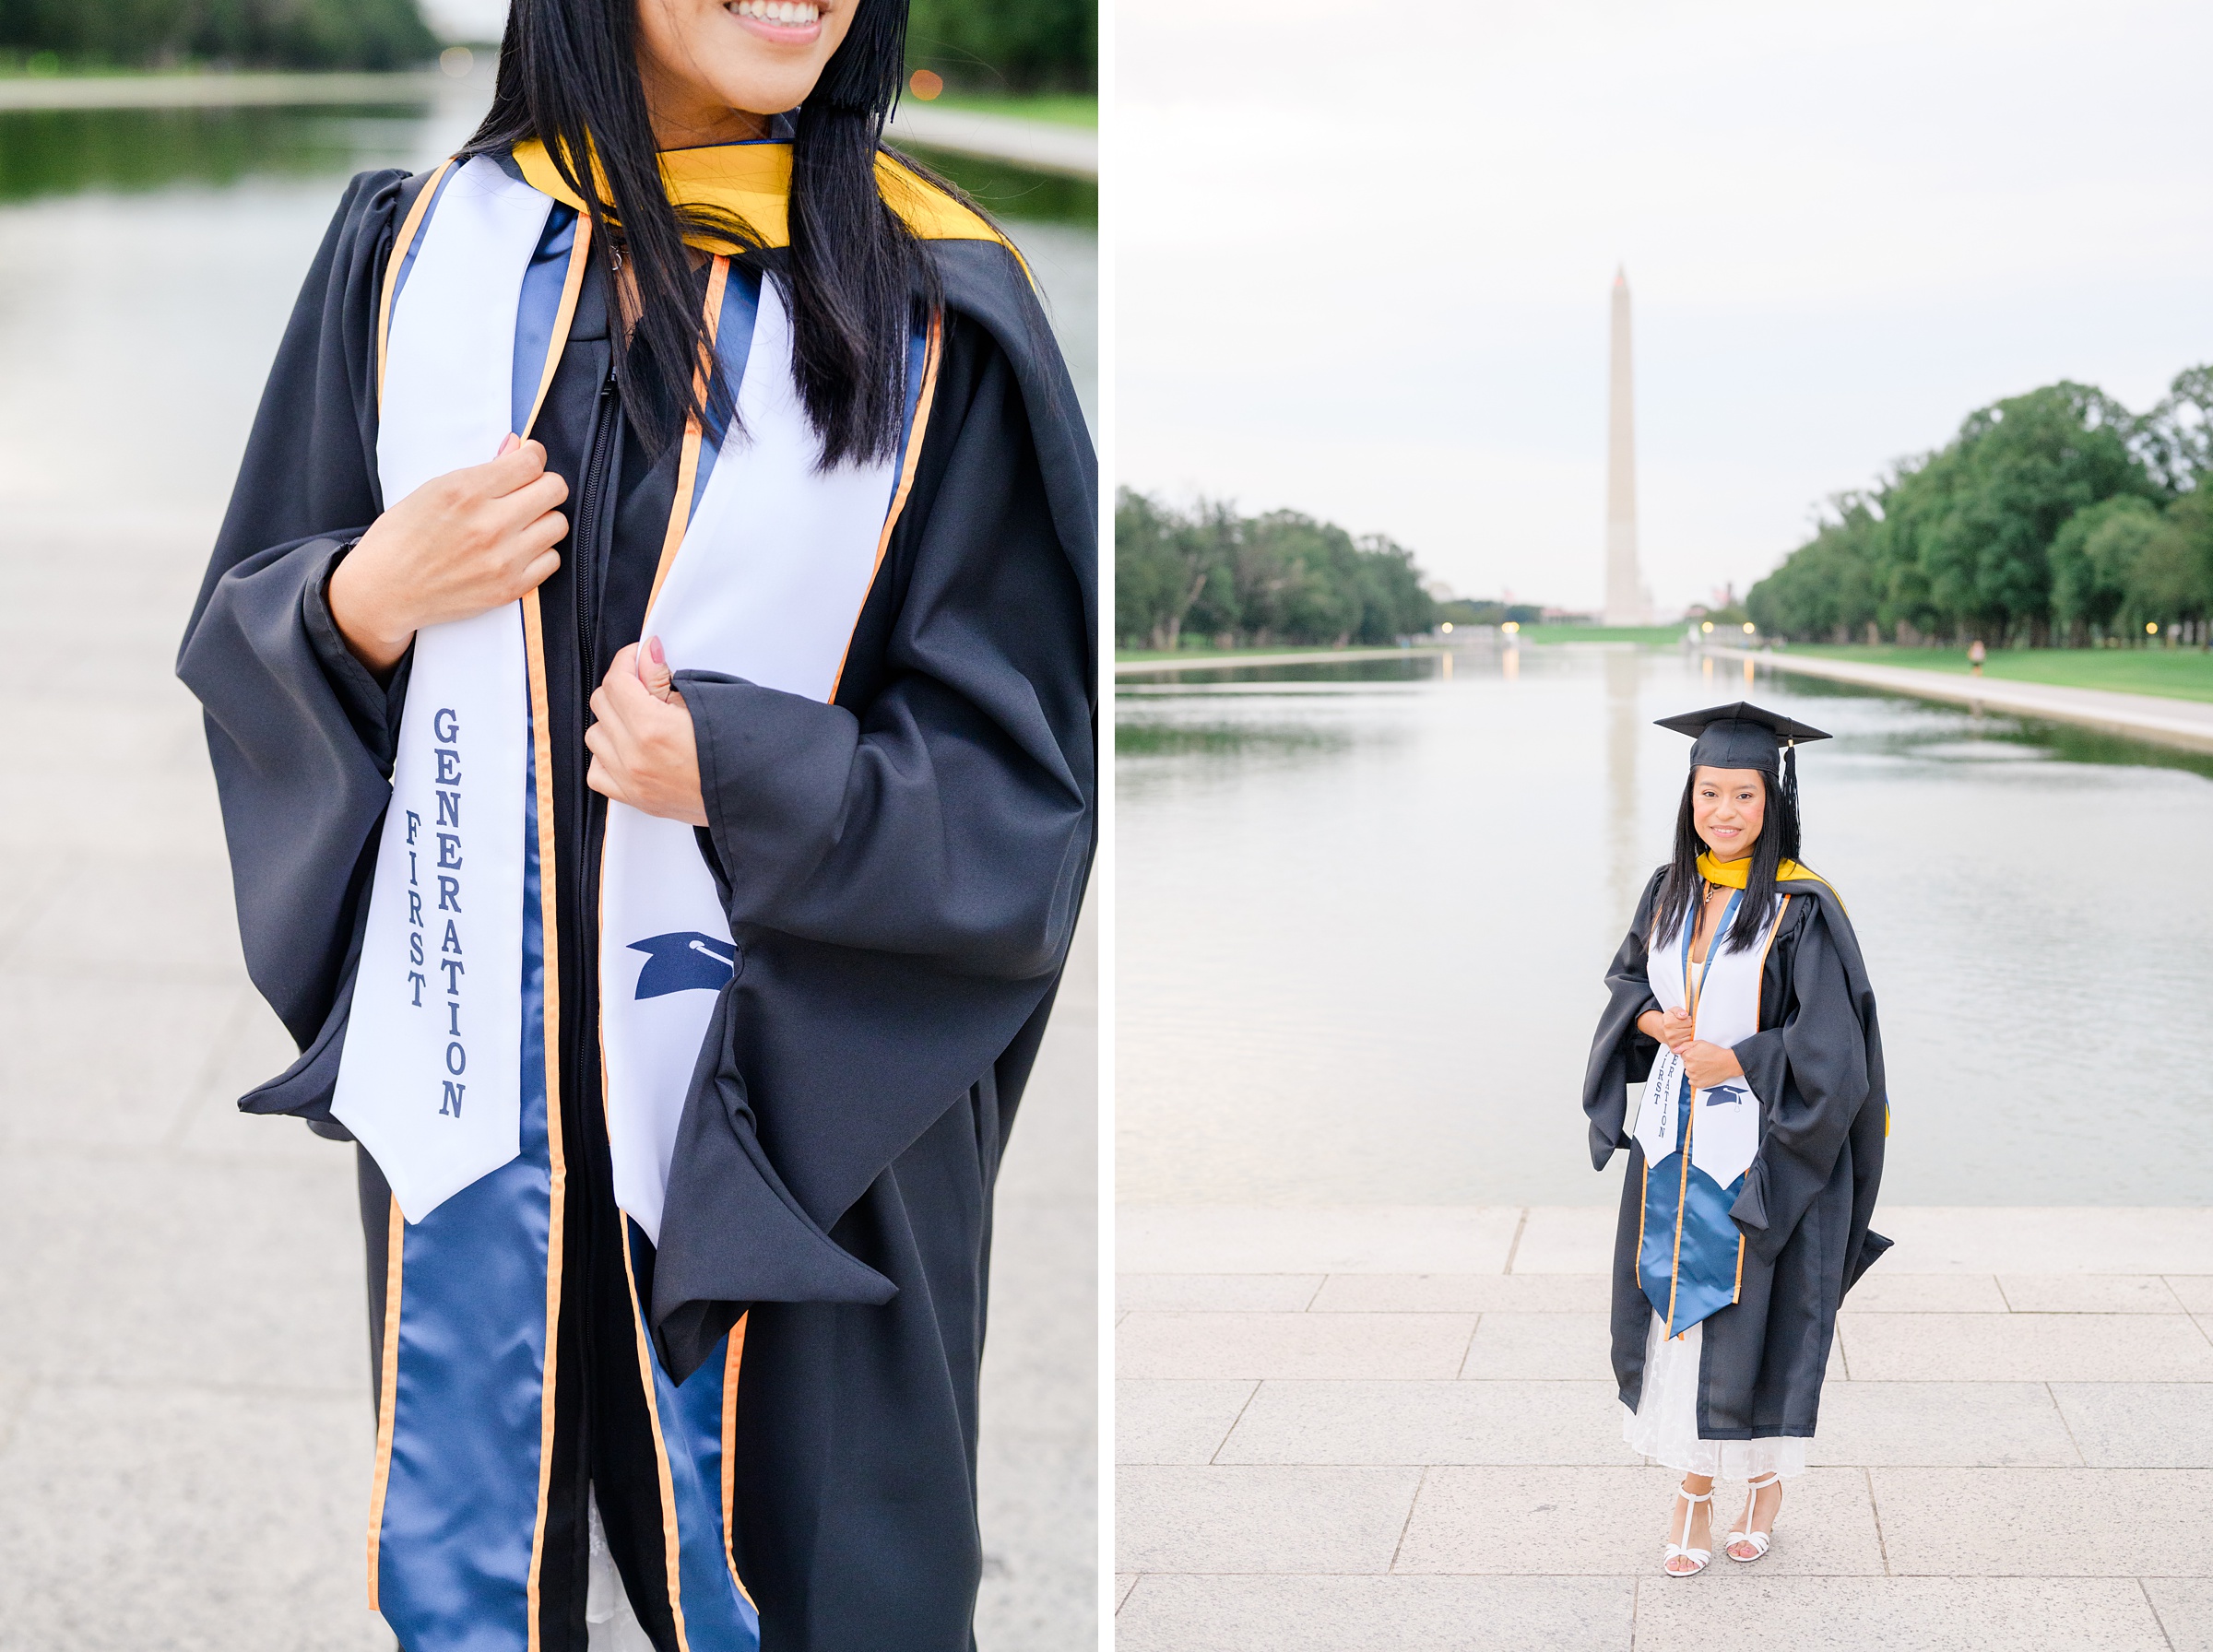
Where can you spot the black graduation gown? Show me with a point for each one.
(1816, 1066)
(902, 872)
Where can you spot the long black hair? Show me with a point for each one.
(856, 280)
(1777, 843)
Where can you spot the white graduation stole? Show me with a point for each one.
(1724, 1120)
(767, 584)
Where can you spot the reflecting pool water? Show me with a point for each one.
(1365, 911)
(148, 260)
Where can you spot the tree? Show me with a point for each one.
(1281, 577)
(2093, 560)
(1162, 561)
(1962, 541)
(309, 34)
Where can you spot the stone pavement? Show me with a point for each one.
(184, 1415)
(1393, 1430)
(2187, 723)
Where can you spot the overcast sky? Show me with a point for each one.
(1364, 252)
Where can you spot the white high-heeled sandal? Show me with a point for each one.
(1680, 1551)
(1759, 1540)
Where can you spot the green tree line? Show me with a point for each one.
(306, 34)
(1241, 581)
(1007, 45)
(2057, 518)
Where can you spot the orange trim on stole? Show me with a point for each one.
(408, 228)
(731, 1364)
(534, 647)
(923, 399)
(671, 1539)
(687, 469)
(387, 1388)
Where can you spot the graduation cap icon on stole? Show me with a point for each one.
(682, 961)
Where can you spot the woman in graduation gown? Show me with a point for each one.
(1740, 1002)
(648, 669)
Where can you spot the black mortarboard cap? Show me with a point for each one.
(1741, 735)
(1744, 736)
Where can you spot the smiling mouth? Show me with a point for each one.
(794, 17)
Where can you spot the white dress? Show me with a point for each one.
(1665, 1426)
(611, 1624)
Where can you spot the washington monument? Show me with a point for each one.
(1626, 602)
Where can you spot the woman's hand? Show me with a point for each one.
(643, 749)
(1709, 1064)
(459, 546)
(1671, 1028)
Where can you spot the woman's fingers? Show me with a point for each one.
(653, 670)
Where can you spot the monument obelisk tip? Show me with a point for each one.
(1625, 592)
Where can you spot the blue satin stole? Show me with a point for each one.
(466, 1414)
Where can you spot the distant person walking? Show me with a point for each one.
(1976, 655)
(1740, 1002)
(648, 671)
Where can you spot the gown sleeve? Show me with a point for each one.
(945, 812)
(1621, 1054)
(1813, 1071)
(299, 733)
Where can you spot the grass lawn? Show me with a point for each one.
(2172, 673)
(1058, 108)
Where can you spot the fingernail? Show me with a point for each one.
(652, 646)
(511, 442)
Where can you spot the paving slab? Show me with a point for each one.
(1217, 1293)
(1566, 1239)
(2025, 1348)
(1314, 1239)
(2185, 1606)
(2139, 1425)
(1157, 1422)
(1958, 1424)
(1123, 1582)
(149, 1517)
(1377, 1614)
(1318, 1345)
(1882, 1291)
(1723, 1610)
(2047, 1522)
(1599, 1522)
(2193, 1291)
(2089, 1293)
(1462, 1293)
(1538, 1347)
(2036, 1239)
(1247, 1520)
(1435, 1422)
(66, 1078)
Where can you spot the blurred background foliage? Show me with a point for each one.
(2057, 518)
(1006, 46)
(1255, 581)
(303, 34)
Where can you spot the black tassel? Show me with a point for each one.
(1789, 793)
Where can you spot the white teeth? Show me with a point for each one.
(781, 11)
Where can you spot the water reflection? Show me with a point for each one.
(150, 258)
(1627, 867)
(1364, 967)
(68, 152)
